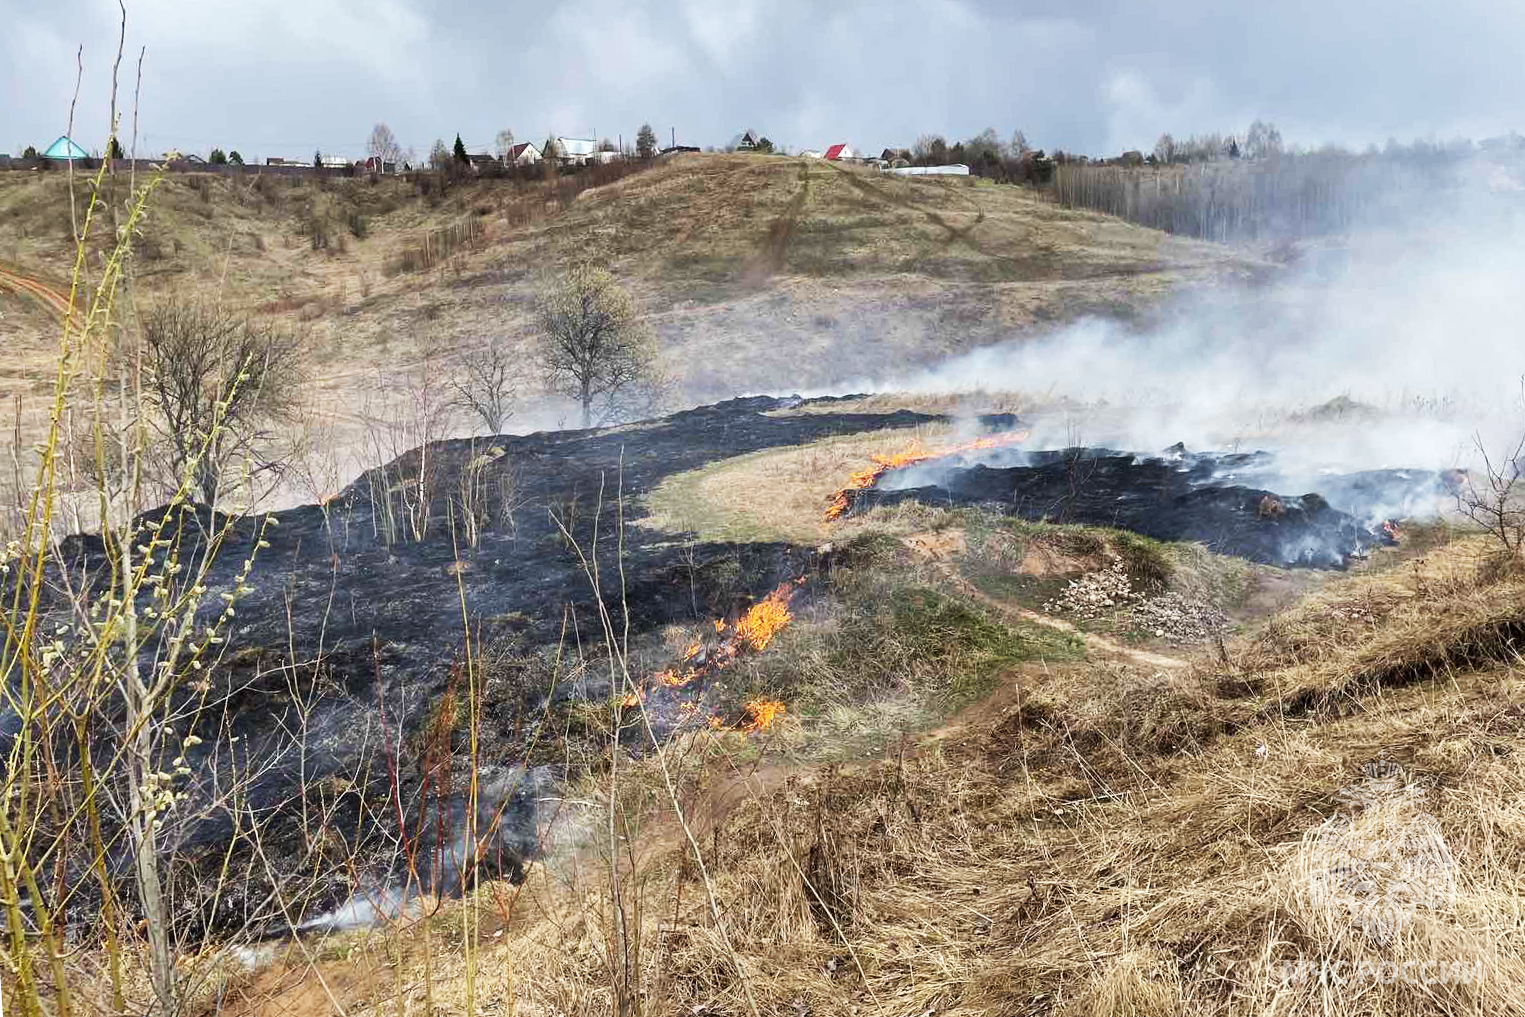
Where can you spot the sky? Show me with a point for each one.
(277, 78)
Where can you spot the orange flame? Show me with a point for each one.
(761, 713)
(915, 452)
(752, 632)
(766, 619)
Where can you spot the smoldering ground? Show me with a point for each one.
(1398, 344)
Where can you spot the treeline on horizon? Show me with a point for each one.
(1253, 188)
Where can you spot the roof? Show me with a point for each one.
(576, 146)
(518, 150)
(65, 148)
(835, 151)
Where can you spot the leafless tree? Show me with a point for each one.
(383, 146)
(593, 345)
(1495, 499)
(215, 382)
(1262, 141)
(486, 384)
(504, 144)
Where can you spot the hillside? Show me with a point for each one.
(759, 273)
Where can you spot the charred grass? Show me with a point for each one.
(1091, 838)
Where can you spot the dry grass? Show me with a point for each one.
(757, 273)
(1096, 839)
(720, 501)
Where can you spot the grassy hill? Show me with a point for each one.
(758, 273)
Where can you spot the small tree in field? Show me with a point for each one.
(594, 347)
(486, 384)
(382, 146)
(504, 144)
(218, 157)
(215, 382)
(460, 151)
(645, 142)
(235, 158)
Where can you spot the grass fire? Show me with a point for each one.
(1072, 571)
(915, 452)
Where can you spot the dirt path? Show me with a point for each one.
(1095, 643)
(50, 298)
(775, 250)
(955, 233)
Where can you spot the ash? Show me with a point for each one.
(1177, 495)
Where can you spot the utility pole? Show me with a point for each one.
(674, 136)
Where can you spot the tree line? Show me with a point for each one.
(1229, 190)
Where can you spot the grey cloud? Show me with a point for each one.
(1086, 75)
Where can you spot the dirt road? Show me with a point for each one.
(50, 298)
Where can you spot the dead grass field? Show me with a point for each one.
(759, 274)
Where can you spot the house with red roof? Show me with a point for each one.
(836, 153)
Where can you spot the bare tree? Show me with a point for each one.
(504, 144)
(594, 347)
(486, 383)
(1496, 500)
(383, 146)
(1262, 141)
(215, 382)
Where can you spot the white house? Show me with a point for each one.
(576, 150)
(523, 154)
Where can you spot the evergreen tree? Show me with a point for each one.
(317, 159)
(645, 142)
(235, 158)
(218, 157)
(460, 150)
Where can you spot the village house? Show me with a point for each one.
(575, 151)
(747, 142)
(522, 154)
(840, 153)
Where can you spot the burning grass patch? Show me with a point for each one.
(721, 500)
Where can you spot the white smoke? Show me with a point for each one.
(1421, 322)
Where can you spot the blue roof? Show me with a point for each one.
(64, 148)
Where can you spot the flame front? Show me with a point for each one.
(751, 633)
(913, 453)
(761, 713)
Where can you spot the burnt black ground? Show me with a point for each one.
(1176, 496)
(347, 643)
